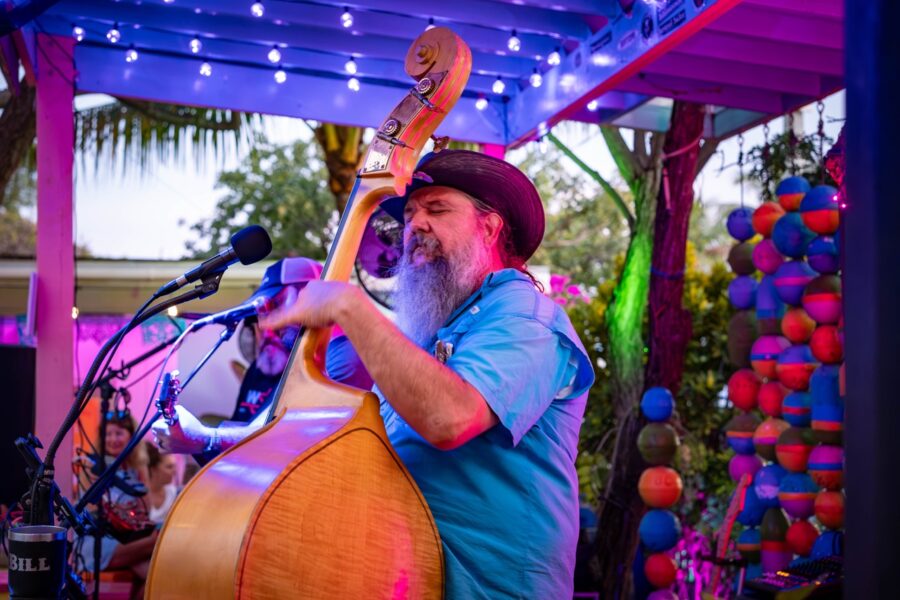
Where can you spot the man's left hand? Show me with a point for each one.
(319, 304)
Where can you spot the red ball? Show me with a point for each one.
(797, 326)
(660, 570)
(771, 396)
(822, 299)
(660, 487)
(766, 257)
(766, 436)
(801, 536)
(743, 388)
(827, 344)
(829, 509)
(765, 216)
(793, 448)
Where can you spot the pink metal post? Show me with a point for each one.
(495, 150)
(55, 261)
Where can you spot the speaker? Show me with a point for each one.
(16, 417)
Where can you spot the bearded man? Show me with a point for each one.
(482, 380)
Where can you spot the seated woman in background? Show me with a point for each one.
(162, 491)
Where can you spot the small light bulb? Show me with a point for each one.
(593, 105)
(498, 86)
(274, 55)
(554, 58)
(168, 1)
(172, 311)
(114, 35)
(196, 45)
(131, 55)
(257, 9)
(280, 76)
(206, 69)
(353, 84)
(347, 18)
(430, 24)
(536, 80)
(75, 312)
(77, 33)
(603, 60)
(350, 66)
(481, 103)
(514, 43)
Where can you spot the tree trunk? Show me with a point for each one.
(670, 324)
(17, 131)
(343, 149)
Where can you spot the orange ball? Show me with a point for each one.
(765, 216)
(801, 536)
(660, 487)
(660, 570)
(771, 397)
(797, 326)
(827, 344)
(743, 386)
(829, 509)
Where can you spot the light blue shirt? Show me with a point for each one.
(506, 502)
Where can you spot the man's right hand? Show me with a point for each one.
(187, 436)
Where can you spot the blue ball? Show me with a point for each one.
(766, 483)
(791, 280)
(740, 224)
(754, 509)
(796, 409)
(742, 292)
(657, 404)
(659, 530)
(791, 236)
(822, 254)
(824, 385)
(829, 543)
(768, 304)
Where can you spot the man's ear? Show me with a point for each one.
(493, 224)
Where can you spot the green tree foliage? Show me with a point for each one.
(785, 155)
(284, 188)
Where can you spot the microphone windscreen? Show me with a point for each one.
(251, 244)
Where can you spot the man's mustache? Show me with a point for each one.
(432, 246)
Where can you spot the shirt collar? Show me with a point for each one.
(493, 280)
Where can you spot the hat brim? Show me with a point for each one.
(491, 180)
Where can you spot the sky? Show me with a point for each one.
(149, 217)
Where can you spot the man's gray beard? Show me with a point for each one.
(427, 294)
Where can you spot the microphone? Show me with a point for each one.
(231, 315)
(248, 245)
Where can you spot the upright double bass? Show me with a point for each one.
(317, 504)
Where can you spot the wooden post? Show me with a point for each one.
(55, 259)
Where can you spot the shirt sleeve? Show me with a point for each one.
(518, 365)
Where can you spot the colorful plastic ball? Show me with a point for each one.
(825, 384)
(791, 236)
(740, 224)
(826, 466)
(795, 366)
(748, 544)
(740, 259)
(753, 509)
(768, 303)
(660, 570)
(766, 436)
(827, 405)
(822, 299)
(791, 280)
(801, 536)
(657, 404)
(797, 326)
(765, 216)
(797, 495)
(742, 331)
(827, 344)
(657, 443)
(822, 254)
(829, 508)
(739, 432)
(797, 409)
(793, 448)
(819, 210)
(766, 257)
(774, 552)
(764, 354)
(742, 292)
(791, 191)
(770, 398)
(766, 483)
(660, 487)
(743, 387)
(659, 530)
(830, 543)
(743, 463)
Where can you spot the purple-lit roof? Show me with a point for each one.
(752, 59)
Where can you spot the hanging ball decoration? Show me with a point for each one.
(797, 495)
(801, 536)
(797, 326)
(743, 387)
(748, 544)
(827, 344)
(742, 331)
(791, 191)
(769, 306)
(743, 463)
(766, 436)
(826, 466)
(774, 552)
(766, 257)
(764, 354)
(754, 509)
(793, 448)
(822, 299)
(825, 384)
(797, 409)
(765, 216)
(740, 259)
(766, 483)
(822, 254)
(819, 210)
(827, 405)
(740, 224)
(795, 366)
(791, 236)
(739, 432)
(657, 443)
(791, 280)
(659, 530)
(660, 487)
(660, 570)
(657, 404)
(742, 292)
(829, 508)
(830, 543)
(770, 398)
